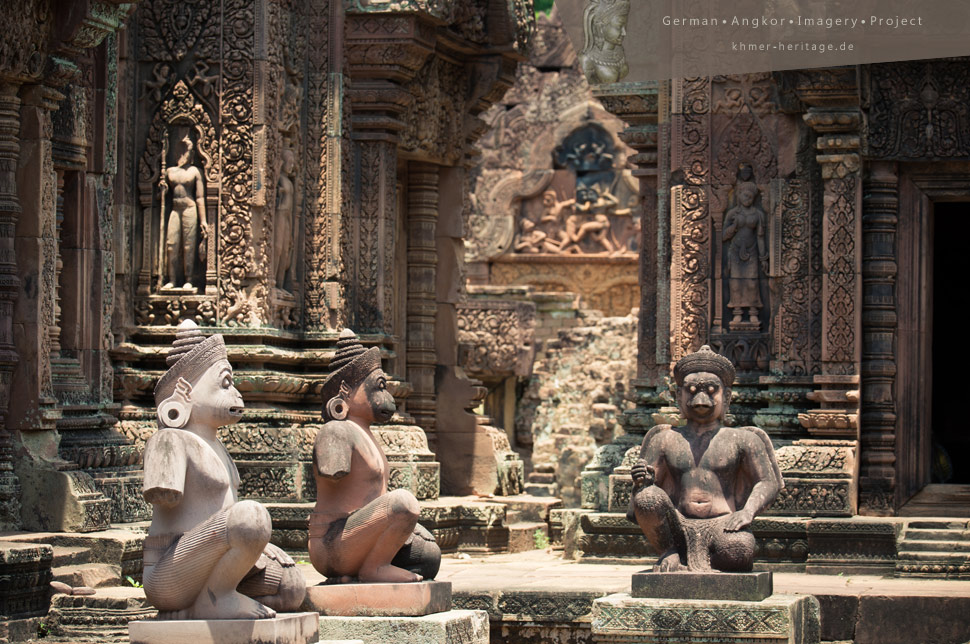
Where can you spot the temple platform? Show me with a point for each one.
(285, 628)
(540, 597)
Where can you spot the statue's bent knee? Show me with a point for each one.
(403, 506)
(651, 501)
(733, 551)
(249, 525)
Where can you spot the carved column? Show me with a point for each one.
(370, 286)
(638, 104)
(32, 405)
(878, 418)
(422, 303)
(9, 288)
(835, 117)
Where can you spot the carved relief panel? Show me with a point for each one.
(741, 270)
(219, 226)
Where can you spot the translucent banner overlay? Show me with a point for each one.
(640, 40)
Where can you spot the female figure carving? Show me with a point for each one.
(604, 27)
(744, 228)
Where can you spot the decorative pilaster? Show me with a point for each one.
(638, 104)
(422, 304)
(838, 155)
(9, 288)
(877, 433)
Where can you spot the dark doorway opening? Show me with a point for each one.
(950, 455)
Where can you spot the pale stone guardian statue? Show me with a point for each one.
(604, 27)
(285, 199)
(697, 488)
(186, 221)
(744, 228)
(207, 555)
(358, 528)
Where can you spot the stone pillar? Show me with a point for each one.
(878, 418)
(837, 120)
(838, 155)
(10, 284)
(56, 494)
(638, 105)
(422, 304)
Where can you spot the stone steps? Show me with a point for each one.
(93, 575)
(938, 546)
(934, 548)
(71, 556)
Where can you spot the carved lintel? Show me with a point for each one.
(635, 103)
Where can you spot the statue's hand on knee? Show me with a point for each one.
(739, 520)
(278, 555)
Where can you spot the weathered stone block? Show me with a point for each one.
(453, 627)
(735, 586)
(785, 619)
(285, 628)
(379, 600)
(25, 572)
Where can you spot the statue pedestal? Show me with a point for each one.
(785, 619)
(285, 628)
(735, 586)
(451, 627)
(379, 600)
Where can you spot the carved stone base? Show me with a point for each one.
(25, 569)
(452, 627)
(285, 628)
(62, 501)
(733, 586)
(413, 465)
(787, 619)
(821, 477)
(379, 600)
(95, 618)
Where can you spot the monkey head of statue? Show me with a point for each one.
(198, 386)
(357, 386)
(704, 381)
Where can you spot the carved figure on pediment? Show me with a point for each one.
(358, 529)
(153, 88)
(186, 229)
(697, 488)
(207, 555)
(747, 257)
(285, 203)
(532, 239)
(604, 27)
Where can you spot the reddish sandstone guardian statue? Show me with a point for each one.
(358, 529)
(697, 488)
(207, 555)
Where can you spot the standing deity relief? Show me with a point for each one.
(745, 253)
(184, 226)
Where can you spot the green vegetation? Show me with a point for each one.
(542, 6)
(541, 540)
(134, 582)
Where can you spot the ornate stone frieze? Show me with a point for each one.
(918, 109)
(497, 336)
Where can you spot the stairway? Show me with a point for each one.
(934, 548)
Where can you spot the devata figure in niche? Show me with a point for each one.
(207, 555)
(185, 224)
(744, 229)
(697, 488)
(604, 27)
(285, 197)
(358, 528)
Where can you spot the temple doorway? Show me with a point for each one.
(944, 443)
(950, 439)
